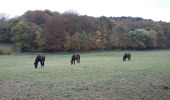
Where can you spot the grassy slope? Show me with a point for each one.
(101, 75)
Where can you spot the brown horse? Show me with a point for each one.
(126, 56)
(75, 57)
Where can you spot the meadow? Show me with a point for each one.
(99, 76)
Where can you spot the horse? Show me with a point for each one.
(75, 57)
(126, 56)
(41, 59)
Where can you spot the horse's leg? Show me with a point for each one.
(124, 59)
(129, 58)
(43, 63)
(37, 64)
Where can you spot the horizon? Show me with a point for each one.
(156, 10)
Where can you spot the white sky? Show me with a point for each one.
(149, 9)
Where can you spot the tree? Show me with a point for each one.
(55, 33)
(144, 39)
(72, 24)
(87, 24)
(79, 42)
(105, 22)
(40, 40)
(121, 27)
(165, 35)
(37, 17)
(5, 29)
(153, 36)
(48, 31)
(100, 40)
(24, 37)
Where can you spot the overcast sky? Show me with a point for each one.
(149, 9)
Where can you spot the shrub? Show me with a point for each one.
(5, 51)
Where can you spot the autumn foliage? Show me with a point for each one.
(47, 31)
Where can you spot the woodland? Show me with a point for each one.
(52, 31)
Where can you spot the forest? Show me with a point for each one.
(52, 31)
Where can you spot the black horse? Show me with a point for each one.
(74, 58)
(126, 56)
(41, 59)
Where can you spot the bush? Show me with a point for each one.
(6, 52)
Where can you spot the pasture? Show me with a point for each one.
(99, 76)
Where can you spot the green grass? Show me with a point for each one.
(99, 76)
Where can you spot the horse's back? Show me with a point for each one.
(42, 57)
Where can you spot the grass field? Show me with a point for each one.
(99, 76)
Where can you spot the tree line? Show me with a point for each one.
(51, 31)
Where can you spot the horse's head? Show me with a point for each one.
(71, 62)
(35, 64)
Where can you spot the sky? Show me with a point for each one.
(157, 10)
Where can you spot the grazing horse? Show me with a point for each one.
(41, 59)
(126, 56)
(74, 58)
